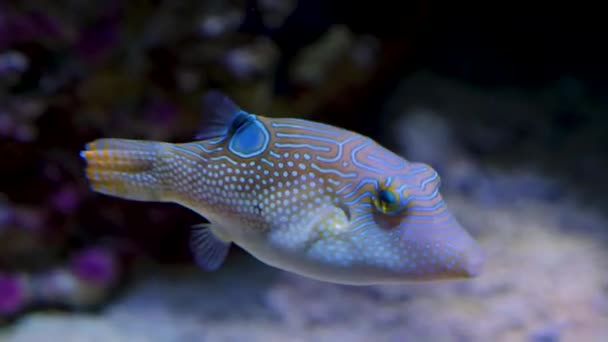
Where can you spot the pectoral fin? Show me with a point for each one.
(208, 249)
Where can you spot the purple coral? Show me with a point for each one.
(95, 265)
(12, 294)
(66, 200)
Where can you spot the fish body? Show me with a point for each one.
(302, 196)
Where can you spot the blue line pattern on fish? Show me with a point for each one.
(302, 196)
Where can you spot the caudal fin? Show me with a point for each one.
(125, 168)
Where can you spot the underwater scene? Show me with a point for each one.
(284, 170)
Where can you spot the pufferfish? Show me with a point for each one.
(302, 196)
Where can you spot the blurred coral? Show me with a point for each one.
(73, 71)
(95, 265)
(12, 294)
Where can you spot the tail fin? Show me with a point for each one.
(125, 168)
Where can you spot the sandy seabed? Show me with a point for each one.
(545, 280)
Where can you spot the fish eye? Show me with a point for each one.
(387, 201)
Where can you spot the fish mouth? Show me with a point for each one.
(471, 257)
(451, 252)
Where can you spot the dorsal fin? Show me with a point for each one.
(218, 114)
